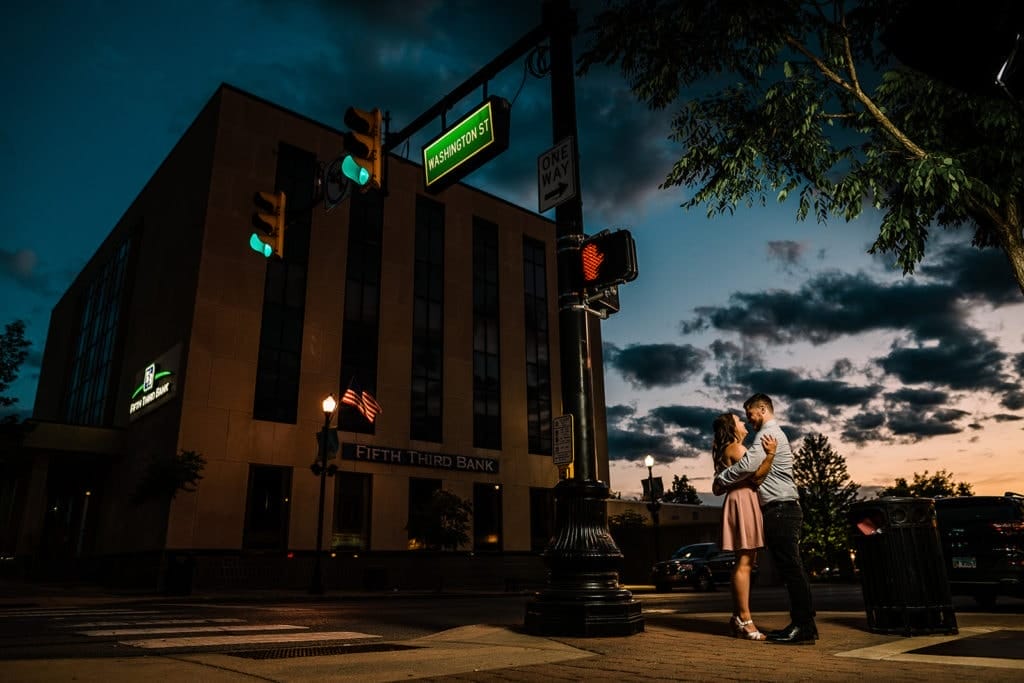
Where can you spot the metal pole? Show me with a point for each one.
(583, 595)
(655, 507)
(317, 585)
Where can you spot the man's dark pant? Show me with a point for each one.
(782, 526)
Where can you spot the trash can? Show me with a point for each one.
(178, 574)
(902, 573)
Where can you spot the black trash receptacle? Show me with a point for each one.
(178, 574)
(902, 573)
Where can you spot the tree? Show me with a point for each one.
(682, 491)
(442, 522)
(801, 97)
(164, 476)
(937, 485)
(826, 494)
(13, 351)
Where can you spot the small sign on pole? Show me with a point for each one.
(561, 440)
(556, 175)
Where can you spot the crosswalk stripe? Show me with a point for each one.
(192, 629)
(162, 643)
(62, 613)
(162, 622)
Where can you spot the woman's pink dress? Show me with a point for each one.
(742, 526)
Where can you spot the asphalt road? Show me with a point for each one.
(146, 627)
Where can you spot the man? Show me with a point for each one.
(783, 518)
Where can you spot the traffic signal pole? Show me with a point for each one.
(583, 596)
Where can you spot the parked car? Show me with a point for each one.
(700, 565)
(983, 545)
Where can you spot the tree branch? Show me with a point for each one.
(872, 109)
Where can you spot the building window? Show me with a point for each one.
(487, 517)
(420, 492)
(98, 331)
(284, 294)
(360, 331)
(538, 359)
(486, 332)
(352, 507)
(267, 507)
(428, 322)
(542, 518)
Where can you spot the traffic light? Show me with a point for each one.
(362, 165)
(269, 218)
(608, 258)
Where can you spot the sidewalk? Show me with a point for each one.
(678, 646)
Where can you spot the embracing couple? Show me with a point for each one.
(761, 509)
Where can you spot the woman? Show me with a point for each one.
(742, 530)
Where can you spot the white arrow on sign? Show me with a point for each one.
(556, 175)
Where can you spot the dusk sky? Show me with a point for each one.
(903, 374)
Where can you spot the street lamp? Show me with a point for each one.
(654, 505)
(316, 586)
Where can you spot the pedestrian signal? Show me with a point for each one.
(607, 259)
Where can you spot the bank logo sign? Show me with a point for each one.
(390, 455)
(155, 384)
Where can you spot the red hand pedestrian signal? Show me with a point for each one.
(592, 260)
(608, 258)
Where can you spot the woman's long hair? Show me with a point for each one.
(724, 428)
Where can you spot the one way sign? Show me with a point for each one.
(556, 175)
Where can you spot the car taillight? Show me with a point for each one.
(1008, 527)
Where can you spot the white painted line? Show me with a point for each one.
(192, 629)
(63, 613)
(159, 643)
(900, 650)
(98, 624)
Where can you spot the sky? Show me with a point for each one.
(903, 374)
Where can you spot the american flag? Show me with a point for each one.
(363, 401)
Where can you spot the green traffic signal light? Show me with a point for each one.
(363, 145)
(259, 246)
(354, 172)
(269, 218)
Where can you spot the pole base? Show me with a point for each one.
(583, 596)
(584, 614)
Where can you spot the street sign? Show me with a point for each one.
(474, 140)
(556, 175)
(561, 440)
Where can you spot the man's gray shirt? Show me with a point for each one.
(779, 484)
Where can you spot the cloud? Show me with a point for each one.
(917, 425)
(965, 359)
(864, 427)
(973, 272)
(918, 397)
(794, 385)
(21, 267)
(619, 412)
(625, 444)
(646, 366)
(787, 253)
